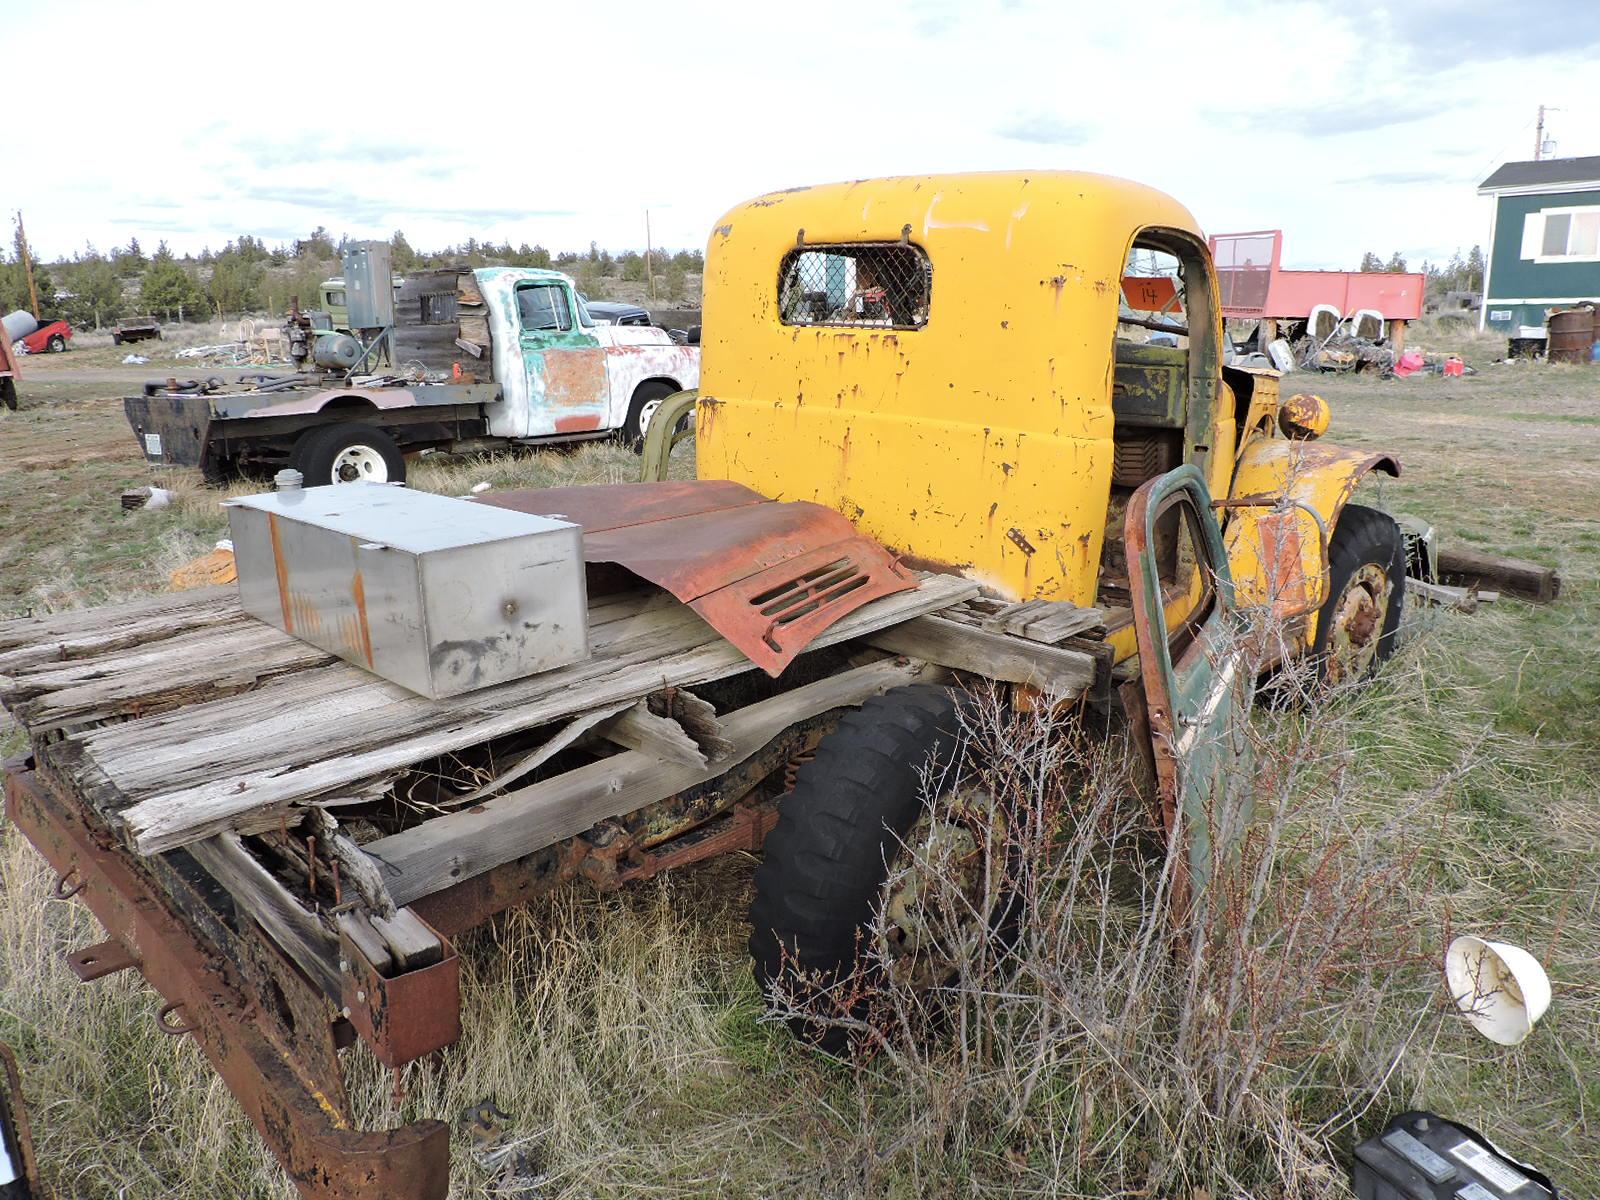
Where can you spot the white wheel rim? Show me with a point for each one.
(359, 463)
(647, 414)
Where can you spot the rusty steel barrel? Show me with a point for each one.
(1572, 335)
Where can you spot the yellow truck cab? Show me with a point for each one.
(1020, 377)
(980, 370)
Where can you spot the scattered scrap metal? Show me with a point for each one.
(1344, 351)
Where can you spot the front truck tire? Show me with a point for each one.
(347, 453)
(825, 865)
(1358, 625)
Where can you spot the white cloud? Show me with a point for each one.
(1349, 128)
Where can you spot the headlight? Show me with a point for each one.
(1304, 416)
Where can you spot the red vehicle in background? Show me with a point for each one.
(51, 336)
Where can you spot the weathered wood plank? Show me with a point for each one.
(357, 869)
(1463, 599)
(1062, 622)
(994, 655)
(446, 850)
(357, 926)
(698, 718)
(82, 633)
(1518, 577)
(411, 942)
(564, 737)
(317, 716)
(156, 677)
(297, 932)
(637, 728)
(203, 777)
(1048, 621)
(109, 619)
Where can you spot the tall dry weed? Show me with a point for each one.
(1099, 1047)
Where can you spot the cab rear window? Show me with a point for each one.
(884, 285)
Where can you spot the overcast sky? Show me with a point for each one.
(1351, 125)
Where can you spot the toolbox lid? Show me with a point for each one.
(399, 518)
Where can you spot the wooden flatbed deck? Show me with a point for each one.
(237, 806)
(180, 716)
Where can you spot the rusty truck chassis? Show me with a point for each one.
(274, 1034)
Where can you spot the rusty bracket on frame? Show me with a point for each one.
(404, 1016)
(308, 1131)
(99, 960)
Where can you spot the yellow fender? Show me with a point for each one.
(1286, 499)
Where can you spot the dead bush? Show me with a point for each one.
(1089, 1044)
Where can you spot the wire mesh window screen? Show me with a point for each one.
(885, 285)
(1244, 269)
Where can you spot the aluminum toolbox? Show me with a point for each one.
(439, 595)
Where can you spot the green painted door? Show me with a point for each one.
(1194, 671)
(566, 364)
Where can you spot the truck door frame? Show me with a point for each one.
(1204, 324)
(1194, 675)
(568, 386)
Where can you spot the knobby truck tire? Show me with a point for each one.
(827, 860)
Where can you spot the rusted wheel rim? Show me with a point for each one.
(915, 939)
(1356, 629)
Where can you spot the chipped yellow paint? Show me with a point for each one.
(1305, 475)
(981, 440)
(941, 441)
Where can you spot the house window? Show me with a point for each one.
(1562, 235)
(885, 285)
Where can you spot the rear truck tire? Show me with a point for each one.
(56, 344)
(826, 865)
(347, 453)
(647, 397)
(1358, 624)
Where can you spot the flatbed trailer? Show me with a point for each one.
(200, 780)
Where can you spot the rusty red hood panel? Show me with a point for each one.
(767, 575)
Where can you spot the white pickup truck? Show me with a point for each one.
(481, 359)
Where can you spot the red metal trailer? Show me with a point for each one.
(1255, 287)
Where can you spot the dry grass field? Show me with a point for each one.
(623, 1034)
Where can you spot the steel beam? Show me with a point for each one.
(307, 1128)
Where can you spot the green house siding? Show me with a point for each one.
(1512, 277)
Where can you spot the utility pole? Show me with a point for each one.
(649, 267)
(1539, 144)
(27, 265)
